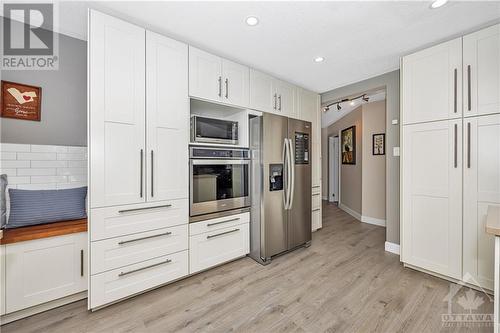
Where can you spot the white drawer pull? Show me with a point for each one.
(142, 208)
(222, 233)
(215, 223)
(146, 267)
(142, 238)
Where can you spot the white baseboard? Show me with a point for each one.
(351, 212)
(372, 220)
(392, 248)
(324, 198)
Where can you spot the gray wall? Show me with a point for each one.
(391, 83)
(64, 100)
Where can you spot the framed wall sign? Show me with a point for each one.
(21, 101)
(348, 140)
(378, 144)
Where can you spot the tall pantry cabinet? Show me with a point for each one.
(138, 157)
(450, 158)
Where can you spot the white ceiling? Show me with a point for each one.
(357, 39)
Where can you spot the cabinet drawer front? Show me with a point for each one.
(218, 223)
(316, 219)
(44, 270)
(126, 281)
(126, 250)
(112, 222)
(316, 201)
(213, 248)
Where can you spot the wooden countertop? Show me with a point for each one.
(493, 220)
(43, 231)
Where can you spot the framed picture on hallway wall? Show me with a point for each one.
(20, 101)
(348, 140)
(378, 144)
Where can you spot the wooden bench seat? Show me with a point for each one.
(43, 231)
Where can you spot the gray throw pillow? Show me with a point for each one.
(3, 205)
(30, 207)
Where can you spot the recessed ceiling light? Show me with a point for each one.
(252, 21)
(438, 3)
(319, 59)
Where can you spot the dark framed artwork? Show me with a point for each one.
(21, 101)
(348, 139)
(378, 144)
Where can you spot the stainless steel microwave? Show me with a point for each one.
(211, 130)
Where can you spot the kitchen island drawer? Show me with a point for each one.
(196, 228)
(213, 248)
(126, 250)
(119, 283)
(117, 221)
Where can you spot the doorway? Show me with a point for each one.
(333, 169)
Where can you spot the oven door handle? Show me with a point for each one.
(218, 162)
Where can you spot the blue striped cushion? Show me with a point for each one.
(29, 207)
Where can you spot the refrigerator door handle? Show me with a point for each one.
(285, 174)
(292, 173)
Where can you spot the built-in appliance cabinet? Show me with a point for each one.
(269, 94)
(138, 143)
(215, 241)
(452, 165)
(43, 270)
(216, 79)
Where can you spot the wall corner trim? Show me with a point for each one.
(351, 212)
(373, 220)
(392, 248)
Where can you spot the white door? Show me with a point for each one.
(262, 96)
(432, 196)
(236, 81)
(481, 72)
(285, 95)
(44, 270)
(333, 152)
(432, 83)
(481, 189)
(167, 118)
(117, 111)
(205, 75)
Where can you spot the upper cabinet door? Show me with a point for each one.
(167, 112)
(116, 111)
(307, 106)
(262, 94)
(235, 83)
(285, 95)
(481, 72)
(205, 75)
(432, 83)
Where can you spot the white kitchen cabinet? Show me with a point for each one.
(216, 247)
(216, 79)
(481, 189)
(285, 95)
(481, 72)
(307, 105)
(432, 196)
(167, 114)
(432, 83)
(262, 92)
(44, 270)
(117, 111)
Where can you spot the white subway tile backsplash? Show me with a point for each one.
(37, 172)
(18, 180)
(37, 187)
(70, 185)
(8, 156)
(71, 171)
(48, 149)
(14, 147)
(77, 164)
(48, 179)
(78, 178)
(8, 172)
(49, 164)
(14, 164)
(37, 156)
(72, 157)
(77, 150)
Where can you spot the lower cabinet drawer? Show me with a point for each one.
(126, 281)
(218, 223)
(316, 219)
(212, 248)
(316, 201)
(126, 250)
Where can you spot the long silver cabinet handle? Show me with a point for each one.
(315, 210)
(227, 87)
(146, 267)
(143, 208)
(455, 90)
(469, 92)
(220, 86)
(221, 222)
(279, 102)
(81, 262)
(222, 233)
(141, 171)
(455, 149)
(275, 98)
(152, 174)
(468, 145)
(143, 238)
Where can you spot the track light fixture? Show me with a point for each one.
(364, 97)
(338, 107)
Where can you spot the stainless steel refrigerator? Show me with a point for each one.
(280, 185)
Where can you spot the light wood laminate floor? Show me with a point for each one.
(344, 282)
